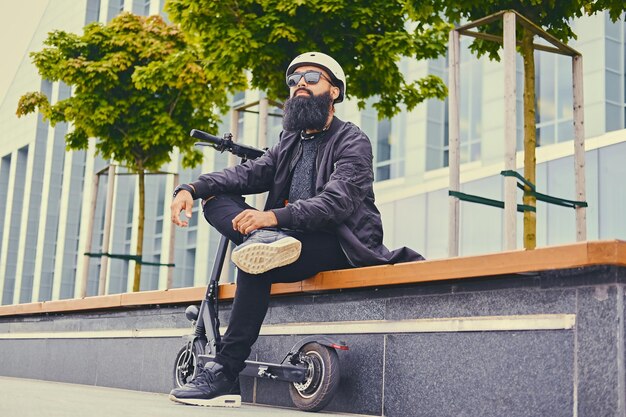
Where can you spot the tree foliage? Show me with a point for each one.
(553, 16)
(138, 86)
(368, 40)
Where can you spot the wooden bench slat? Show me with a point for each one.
(582, 254)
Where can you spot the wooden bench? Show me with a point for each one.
(575, 255)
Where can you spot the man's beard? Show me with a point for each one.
(307, 113)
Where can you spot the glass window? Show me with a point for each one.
(115, 7)
(130, 206)
(612, 28)
(163, 13)
(613, 117)
(436, 134)
(137, 6)
(475, 151)
(592, 170)
(437, 224)
(53, 209)
(239, 97)
(72, 230)
(481, 225)
(433, 158)
(470, 108)
(476, 102)
(553, 83)
(383, 172)
(565, 87)
(612, 54)
(383, 150)
(274, 125)
(191, 236)
(383, 134)
(546, 94)
(5, 168)
(14, 228)
(561, 221)
(612, 87)
(387, 137)
(519, 121)
(612, 195)
(565, 131)
(409, 226)
(93, 11)
(545, 135)
(141, 7)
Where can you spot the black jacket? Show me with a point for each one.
(344, 200)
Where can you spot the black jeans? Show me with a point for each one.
(320, 252)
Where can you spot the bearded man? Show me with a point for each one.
(320, 215)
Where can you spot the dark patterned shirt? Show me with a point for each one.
(304, 175)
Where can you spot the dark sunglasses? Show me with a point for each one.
(311, 77)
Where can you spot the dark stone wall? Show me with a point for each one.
(486, 373)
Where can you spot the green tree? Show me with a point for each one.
(367, 39)
(137, 86)
(552, 16)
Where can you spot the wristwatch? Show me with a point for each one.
(185, 187)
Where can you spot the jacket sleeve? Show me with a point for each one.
(347, 187)
(252, 177)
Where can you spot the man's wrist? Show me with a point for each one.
(283, 217)
(187, 187)
(273, 218)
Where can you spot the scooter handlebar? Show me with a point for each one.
(206, 137)
(226, 144)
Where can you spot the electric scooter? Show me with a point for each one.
(311, 366)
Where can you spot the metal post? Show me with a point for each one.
(89, 238)
(234, 127)
(454, 154)
(232, 160)
(170, 269)
(262, 141)
(510, 183)
(108, 215)
(263, 117)
(579, 147)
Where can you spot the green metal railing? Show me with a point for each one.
(522, 183)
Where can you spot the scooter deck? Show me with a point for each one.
(282, 372)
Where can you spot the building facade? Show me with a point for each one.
(45, 215)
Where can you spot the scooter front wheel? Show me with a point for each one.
(186, 364)
(322, 378)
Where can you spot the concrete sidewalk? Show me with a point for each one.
(34, 398)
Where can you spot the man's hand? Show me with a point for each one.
(250, 220)
(182, 201)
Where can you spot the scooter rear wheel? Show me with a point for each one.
(186, 364)
(322, 378)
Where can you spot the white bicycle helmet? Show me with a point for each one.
(326, 62)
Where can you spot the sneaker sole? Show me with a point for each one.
(229, 401)
(257, 258)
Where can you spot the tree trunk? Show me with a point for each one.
(140, 227)
(530, 138)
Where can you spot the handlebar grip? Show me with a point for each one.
(226, 144)
(199, 134)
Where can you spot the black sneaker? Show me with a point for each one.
(210, 388)
(266, 249)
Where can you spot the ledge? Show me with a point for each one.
(575, 255)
